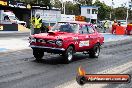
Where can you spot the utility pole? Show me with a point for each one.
(111, 9)
(127, 16)
(37, 1)
(129, 5)
(127, 12)
(63, 6)
(111, 12)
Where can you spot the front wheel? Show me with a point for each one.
(68, 55)
(38, 54)
(94, 52)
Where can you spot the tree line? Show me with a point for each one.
(73, 8)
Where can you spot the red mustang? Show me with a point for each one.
(67, 38)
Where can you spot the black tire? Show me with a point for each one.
(38, 54)
(94, 52)
(68, 55)
(81, 80)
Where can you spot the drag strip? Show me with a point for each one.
(19, 70)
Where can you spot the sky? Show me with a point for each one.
(116, 2)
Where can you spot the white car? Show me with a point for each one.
(9, 17)
(123, 23)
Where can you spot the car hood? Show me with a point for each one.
(54, 35)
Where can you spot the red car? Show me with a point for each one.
(67, 38)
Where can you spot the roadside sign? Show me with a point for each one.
(38, 6)
(49, 16)
(67, 17)
(80, 18)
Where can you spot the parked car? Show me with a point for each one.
(10, 17)
(67, 38)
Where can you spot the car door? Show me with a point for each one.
(84, 40)
(92, 36)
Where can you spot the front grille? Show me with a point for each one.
(46, 41)
(41, 41)
(51, 41)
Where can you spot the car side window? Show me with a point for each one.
(66, 28)
(83, 29)
(90, 30)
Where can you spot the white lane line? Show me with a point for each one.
(116, 70)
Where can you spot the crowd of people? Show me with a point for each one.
(127, 29)
(107, 27)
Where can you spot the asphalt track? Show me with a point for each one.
(19, 69)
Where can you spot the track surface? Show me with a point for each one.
(20, 70)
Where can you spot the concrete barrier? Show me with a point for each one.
(13, 27)
(21, 28)
(120, 30)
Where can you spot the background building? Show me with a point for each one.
(90, 12)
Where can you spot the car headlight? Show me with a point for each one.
(59, 42)
(32, 39)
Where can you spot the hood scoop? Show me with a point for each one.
(52, 33)
(55, 33)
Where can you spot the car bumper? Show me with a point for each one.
(49, 49)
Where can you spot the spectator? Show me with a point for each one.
(119, 23)
(37, 24)
(106, 26)
(114, 26)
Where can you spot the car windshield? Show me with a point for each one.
(66, 27)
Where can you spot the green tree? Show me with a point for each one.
(130, 15)
(84, 2)
(72, 9)
(103, 11)
(120, 13)
(69, 7)
(76, 9)
(56, 3)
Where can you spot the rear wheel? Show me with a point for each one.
(94, 52)
(68, 55)
(38, 54)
